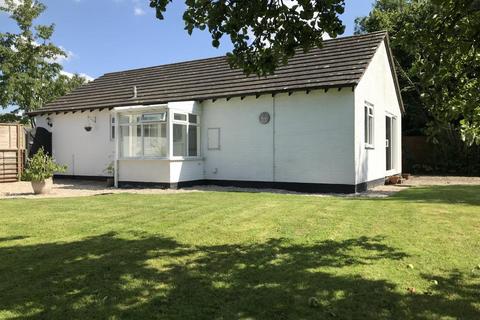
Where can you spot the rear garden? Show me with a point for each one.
(232, 255)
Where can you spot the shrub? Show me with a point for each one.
(41, 167)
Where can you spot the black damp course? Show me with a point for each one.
(80, 177)
(318, 188)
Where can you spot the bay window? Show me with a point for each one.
(145, 135)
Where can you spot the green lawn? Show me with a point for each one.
(242, 256)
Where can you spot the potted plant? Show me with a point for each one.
(110, 170)
(40, 170)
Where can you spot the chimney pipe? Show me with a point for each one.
(134, 92)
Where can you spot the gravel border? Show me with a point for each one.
(77, 188)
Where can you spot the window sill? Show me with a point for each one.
(172, 159)
(185, 158)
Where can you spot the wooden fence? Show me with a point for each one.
(12, 152)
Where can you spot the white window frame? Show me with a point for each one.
(187, 124)
(393, 142)
(142, 123)
(369, 131)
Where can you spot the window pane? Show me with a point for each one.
(155, 140)
(179, 139)
(180, 117)
(192, 141)
(124, 118)
(129, 118)
(112, 127)
(192, 118)
(130, 141)
(154, 117)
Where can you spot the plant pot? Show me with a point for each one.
(110, 182)
(42, 187)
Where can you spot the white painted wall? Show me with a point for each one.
(144, 171)
(85, 153)
(377, 87)
(186, 170)
(313, 138)
(245, 144)
(160, 171)
(185, 106)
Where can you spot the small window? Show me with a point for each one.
(112, 127)
(129, 118)
(180, 117)
(192, 118)
(369, 125)
(154, 117)
(124, 118)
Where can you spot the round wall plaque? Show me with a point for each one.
(264, 117)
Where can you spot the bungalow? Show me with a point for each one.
(329, 121)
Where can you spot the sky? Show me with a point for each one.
(102, 36)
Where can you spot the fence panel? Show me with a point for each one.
(12, 152)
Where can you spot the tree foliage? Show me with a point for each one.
(264, 33)
(30, 75)
(13, 118)
(436, 43)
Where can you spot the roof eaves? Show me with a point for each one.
(393, 69)
(45, 111)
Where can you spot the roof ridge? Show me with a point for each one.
(224, 57)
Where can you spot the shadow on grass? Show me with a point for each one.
(5, 239)
(154, 277)
(458, 194)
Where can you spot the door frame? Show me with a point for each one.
(393, 143)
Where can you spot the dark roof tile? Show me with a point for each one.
(339, 63)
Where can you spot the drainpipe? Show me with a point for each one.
(115, 163)
(273, 141)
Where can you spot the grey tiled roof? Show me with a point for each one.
(339, 63)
